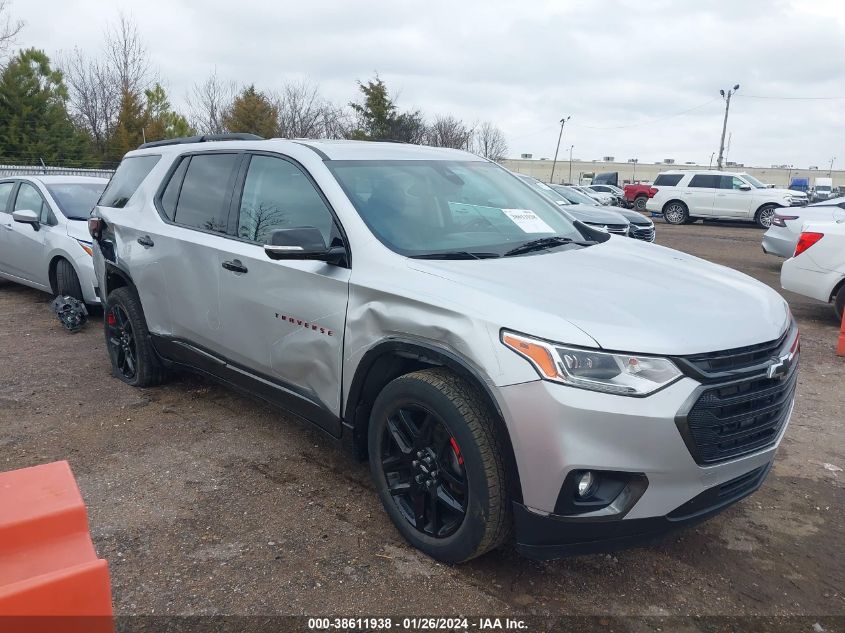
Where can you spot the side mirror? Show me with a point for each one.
(26, 216)
(303, 242)
(745, 187)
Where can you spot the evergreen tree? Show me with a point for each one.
(252, 112)
(128, 132)
(34, 121)
(379, 118)
(161, 120)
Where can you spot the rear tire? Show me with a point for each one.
(640, 203)
(132, 356)
(675, 212)
(67, 282)
(454, 506)
(764, 215)
(839, 303)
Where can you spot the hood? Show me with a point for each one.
(632, 216)
(626, 295)
(787, 192)
(78, 230)
(587, 213)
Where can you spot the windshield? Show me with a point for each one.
(76, 200)
(546, 190)
(822, 187)
(753, 181)
(419, 208)
(575, 196)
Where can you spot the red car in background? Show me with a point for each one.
(636, 195)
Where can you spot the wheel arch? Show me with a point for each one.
(773, 205)
(51, 269)
(839, 286)
(671, 200)
(116, 278)
(396, 357)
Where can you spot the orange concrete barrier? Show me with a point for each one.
(50, 576)
(841, 348)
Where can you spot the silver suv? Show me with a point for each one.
(506, 369)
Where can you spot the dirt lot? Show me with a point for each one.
(207, 502)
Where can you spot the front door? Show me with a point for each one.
(6, 189)
(26, 251)
(284, 320)
(731, 200)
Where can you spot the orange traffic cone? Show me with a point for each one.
(50, 576)
(841, 349)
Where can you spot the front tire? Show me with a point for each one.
(67, 281)
(764, 215)
(132, 356)
(675, 212)
(438, 467)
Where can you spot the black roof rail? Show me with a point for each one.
(204, 138)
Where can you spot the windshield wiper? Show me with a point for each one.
(542, 244)
(455, 255)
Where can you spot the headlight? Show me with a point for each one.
(622, 374)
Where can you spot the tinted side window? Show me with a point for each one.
(170, 196)
(206, 192)
(730, 182)
(30, 199)
(668, 180)
(704, 180)
(277, 194)
(126, 180)
(5, 192)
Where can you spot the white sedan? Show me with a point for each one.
(818, 268)
(782, 236)
(44, 239)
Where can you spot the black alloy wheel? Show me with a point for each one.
(422, 463)
(121, 340)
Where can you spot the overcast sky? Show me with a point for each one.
(521, 64)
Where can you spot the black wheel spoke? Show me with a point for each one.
(423, 470)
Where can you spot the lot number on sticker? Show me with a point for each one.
(528, 221)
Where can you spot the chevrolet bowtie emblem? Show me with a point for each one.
(779, 367)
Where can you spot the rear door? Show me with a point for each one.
(699, 194)
(731, 201)
(284, 320)
(193, 243)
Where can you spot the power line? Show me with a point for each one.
(790, 98)
(649, 122)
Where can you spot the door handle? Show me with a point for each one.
(235, 266)
(146, 241)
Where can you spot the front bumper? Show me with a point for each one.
(556, 429)
(551, 536)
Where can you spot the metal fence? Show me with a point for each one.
(25, 170)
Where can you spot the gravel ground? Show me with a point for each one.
(207, 502)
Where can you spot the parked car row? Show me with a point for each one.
(506, 368)
(812, 239)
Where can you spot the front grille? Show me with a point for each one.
(644, 232)
(737, 359)
(617, 229)
(738, 417)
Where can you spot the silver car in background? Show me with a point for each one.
(505, 369)
(44, 239)
(782, 236)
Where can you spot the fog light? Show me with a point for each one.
(586, 483)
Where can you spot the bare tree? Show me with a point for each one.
(489, 141)
(448, 131)
(127, 56)
(300, 110)
(9, 27)
(94, 97)
(96, 85)
(257, 222)
(208, 101)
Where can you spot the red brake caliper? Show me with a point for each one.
(110, 319)
(457, 450)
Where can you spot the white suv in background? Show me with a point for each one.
(686, 196)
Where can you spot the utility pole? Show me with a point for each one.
(559, 136)
(634, 175)
(830, 171)
(570, 163)
(710, 164)
(727, 97)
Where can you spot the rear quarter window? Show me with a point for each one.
(667, 180)
(126, 180)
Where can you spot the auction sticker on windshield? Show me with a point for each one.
(528, 221)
